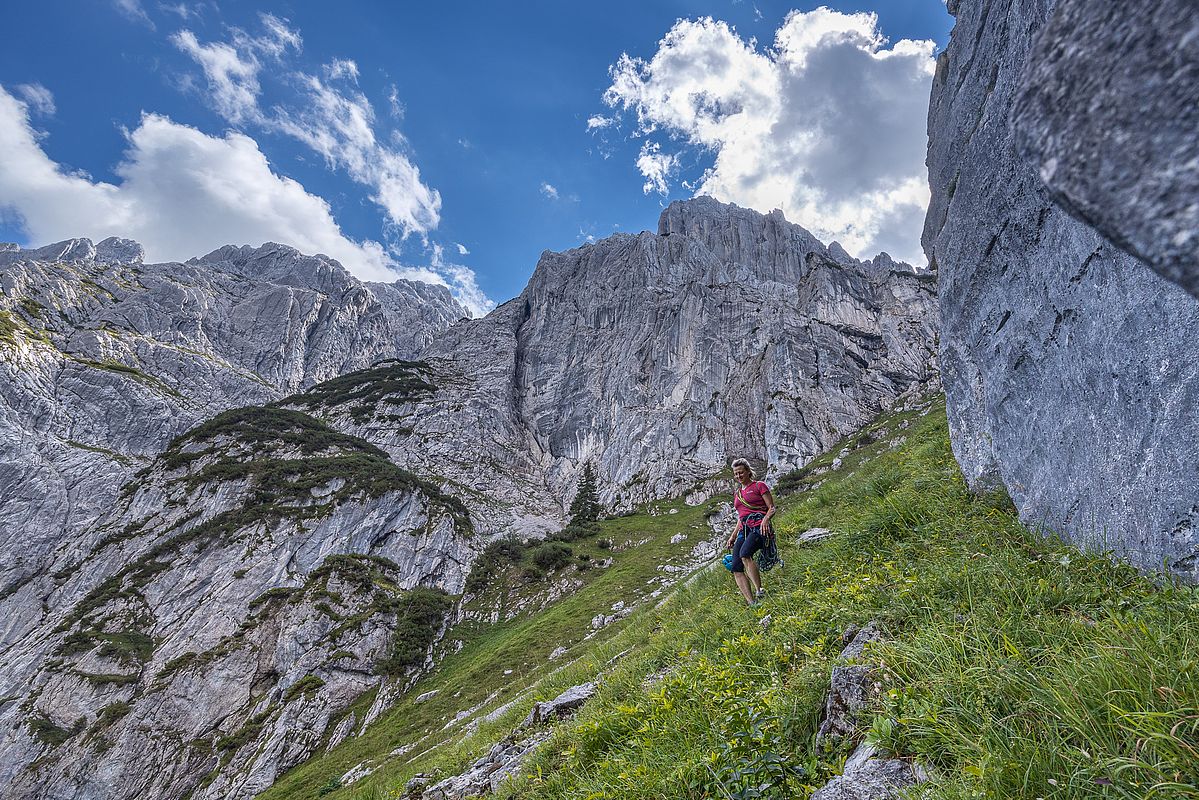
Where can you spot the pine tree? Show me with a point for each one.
(585, 508)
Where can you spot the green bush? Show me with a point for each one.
(111, 713)
(420, 614)
(362, 392)
(497, 556)
(48, 733)
(307, 686)
(551, 555)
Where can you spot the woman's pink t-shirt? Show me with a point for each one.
(753, 495)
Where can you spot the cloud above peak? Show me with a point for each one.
(232, 68)
(828, 124)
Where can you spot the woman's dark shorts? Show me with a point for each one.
(745, 547)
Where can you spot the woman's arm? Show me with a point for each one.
(770, 508)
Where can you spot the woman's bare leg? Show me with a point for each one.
(743, 585)
(751, 569)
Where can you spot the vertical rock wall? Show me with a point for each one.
(1069, 366)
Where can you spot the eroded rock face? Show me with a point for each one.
(104, 359)
(210, 631)
(1108, 114)
(659, 357)
(1069, 366)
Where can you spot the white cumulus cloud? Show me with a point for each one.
(828, 124)
(657, 167)
(183, 193)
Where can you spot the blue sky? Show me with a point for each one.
(458, 140)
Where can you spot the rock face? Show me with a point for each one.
(658, 357)
(870, 776)
(852, 686)
(211, 629)
(104, 359)
(1108, 114)
(1069, 366)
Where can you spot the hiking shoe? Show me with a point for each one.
(761, 593)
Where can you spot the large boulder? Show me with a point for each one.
(1069, 366)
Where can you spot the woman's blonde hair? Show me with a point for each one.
(741, 462)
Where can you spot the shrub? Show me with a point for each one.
(111, 713)
(419, 616)
(306, 686)
(551, 555)
(494, 558)
(49, 733)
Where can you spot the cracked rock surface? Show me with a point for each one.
(1108, 115)
(1068, 364)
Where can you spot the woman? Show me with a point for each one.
(755, 507)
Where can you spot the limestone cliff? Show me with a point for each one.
(661, 356)
(1069, 366)
(211, 628)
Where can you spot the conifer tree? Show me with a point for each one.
(585, 508)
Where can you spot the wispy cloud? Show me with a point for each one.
(39, 99)
(133, 9)
(332, 117)
(549, 190)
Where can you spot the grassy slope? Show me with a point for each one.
(1018, 666)
(476, 674)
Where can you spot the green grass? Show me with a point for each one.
(124, 460)
(1017, 666)
(12, 324)
(304, 686)
(520, 642)
(112, 365)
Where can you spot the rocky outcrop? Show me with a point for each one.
(212, 628)
(506, 758)
(868, 775)
(1067, 363)
(104, 359)
(853, 686)
(1108, 115)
